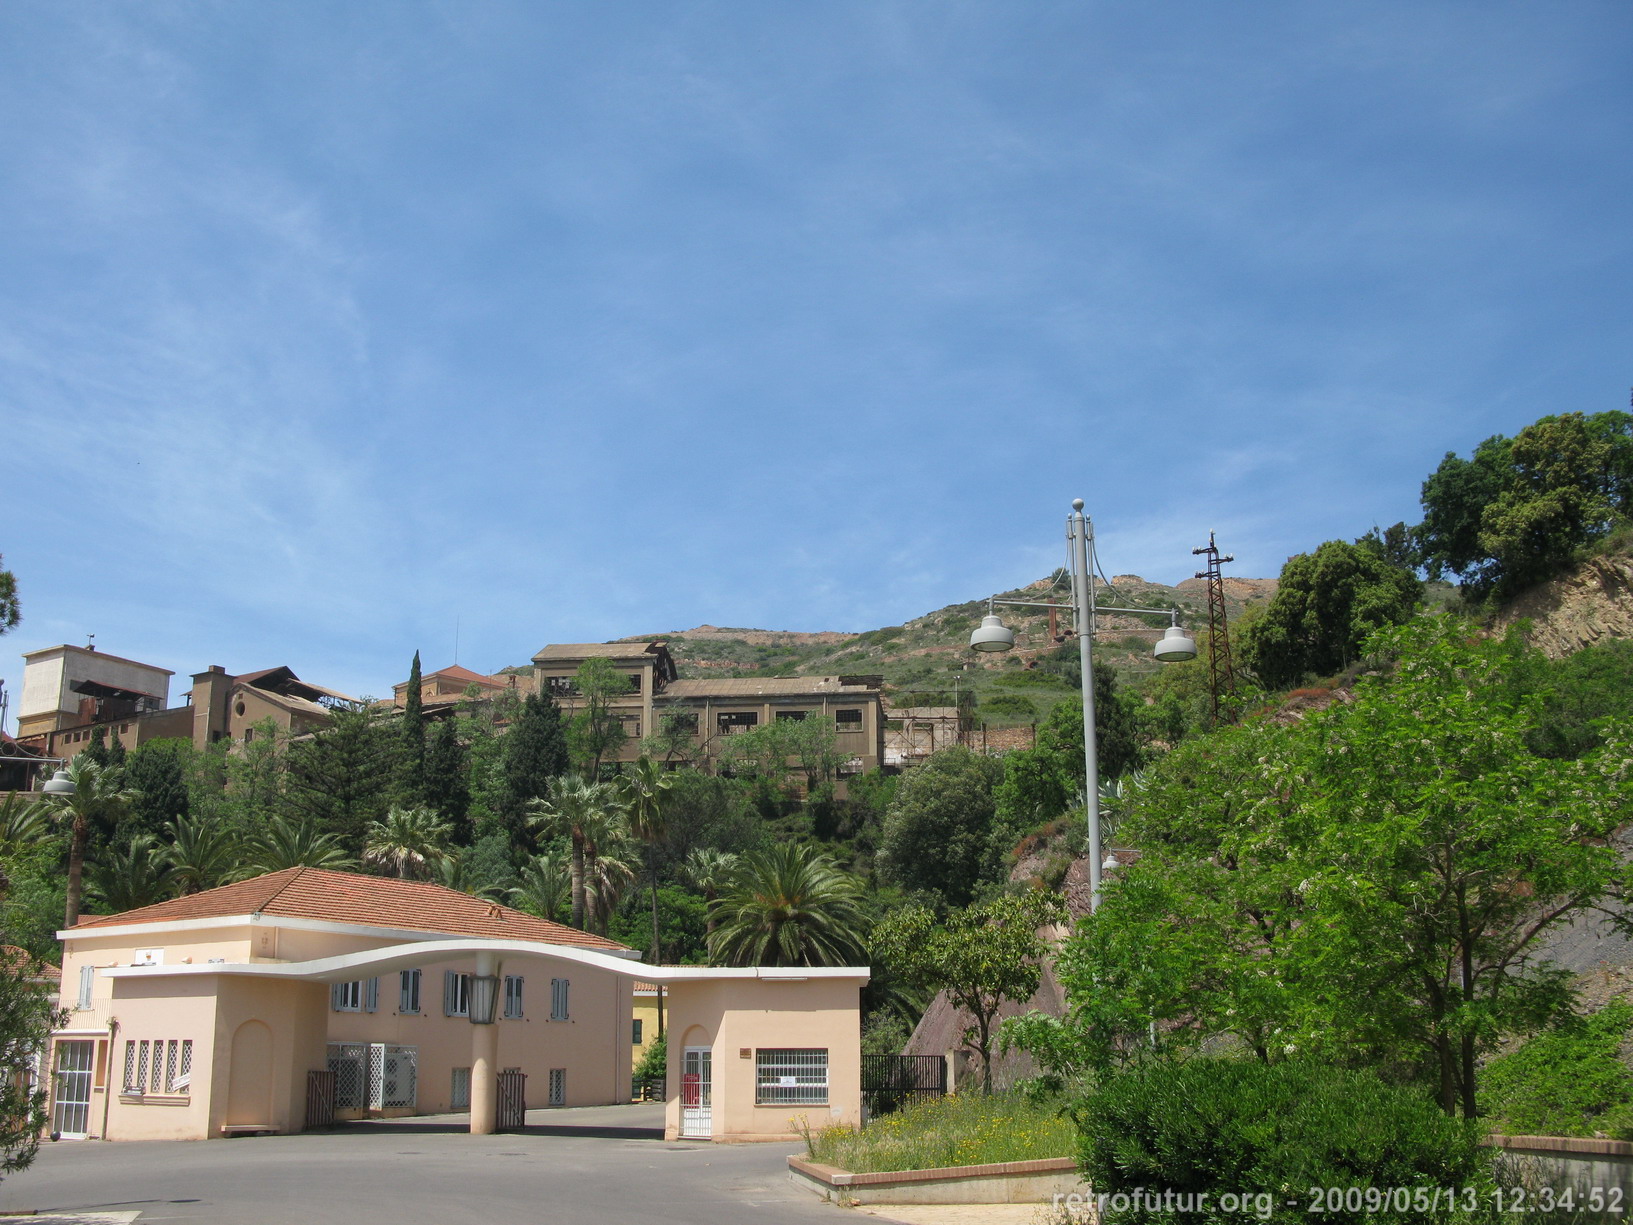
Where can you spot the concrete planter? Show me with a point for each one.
(1004, 1182)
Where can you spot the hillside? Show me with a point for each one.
(927, 661)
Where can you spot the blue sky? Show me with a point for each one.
(325, 328)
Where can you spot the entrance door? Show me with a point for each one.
(71, 1116)
(696, 1087)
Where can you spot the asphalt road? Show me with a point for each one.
(571, 1167)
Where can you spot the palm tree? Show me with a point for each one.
(644, 788)
(288, 843)
(23, 822)
(711, 871)
(458, 871)
(544, 888)
(99, 795)
(607, 875)
(201, 854)
(138, 875)
(410, 841)
(577, 810)
(788, 906)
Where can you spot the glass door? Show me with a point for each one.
(71, 1113)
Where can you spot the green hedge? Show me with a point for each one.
(1266, 1136)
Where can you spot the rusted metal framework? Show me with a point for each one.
(1221, 668)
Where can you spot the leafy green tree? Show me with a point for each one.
(705, 810)
(535, 755)
(938, 830)
(99, 797)
(342, 775)
(596, 733)
(1375, 880)
(11, 611)
(1521, 508)
(26, 1021)
(486, 869)
(1326, 603)
(682, 934)
(411, 771)
(157, 772)
(407, 841)
(447, 789)
(256, 776)
(788, 906)
(982, 956)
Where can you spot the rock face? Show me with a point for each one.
(1592, 603)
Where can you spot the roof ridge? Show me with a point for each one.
(294, 875)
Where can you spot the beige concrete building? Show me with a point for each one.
(307, 994)
(710, 710)
(66, 686)
(219, 706)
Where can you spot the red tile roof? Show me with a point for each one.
(348, 897)
(21, 960)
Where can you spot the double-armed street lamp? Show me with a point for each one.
(1175, 645)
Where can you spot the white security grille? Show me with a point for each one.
(558, 1086)
(460, 1098)
(374, 1075)
(399, 1076)
(377, 1072)
(349, 1062)
(791, 1077)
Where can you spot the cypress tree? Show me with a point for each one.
(535, 753)
(446, 789)
(412, 730)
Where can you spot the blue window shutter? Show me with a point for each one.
(335, 1000)
(371, 995)
(450, 985)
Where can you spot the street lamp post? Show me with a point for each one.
(993, 635)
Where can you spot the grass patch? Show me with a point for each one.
(959, 1129)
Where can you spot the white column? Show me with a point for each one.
(485, 1062)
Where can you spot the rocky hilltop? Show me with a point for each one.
(929, 654)
(1592, 603)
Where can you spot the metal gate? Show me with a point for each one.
(512, 1099)
(697, 1093)
(320, 1099)
(71, 1111)
(889, 1082)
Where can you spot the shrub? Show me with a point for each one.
(1567, 1081)
(1270, 1134)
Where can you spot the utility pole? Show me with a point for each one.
(1221, 669)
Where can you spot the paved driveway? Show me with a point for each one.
(595, 1166)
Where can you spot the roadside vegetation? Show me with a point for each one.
(956, 1130)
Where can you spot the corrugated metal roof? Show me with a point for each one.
(558, 651)
(349, 897)
(768, 686)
